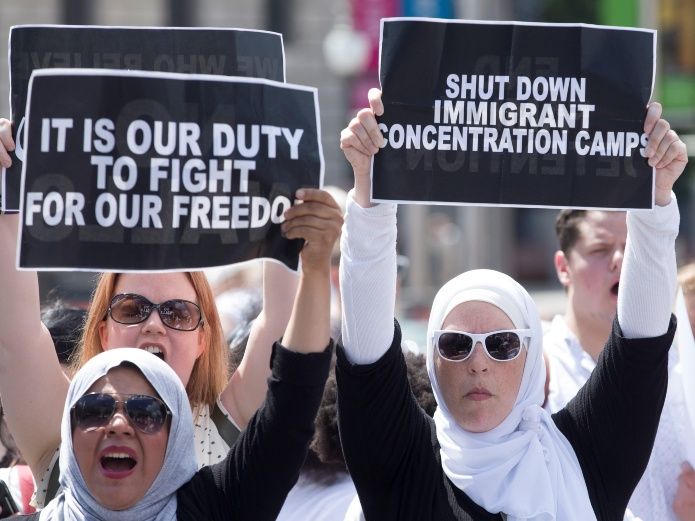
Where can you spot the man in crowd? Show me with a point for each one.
(588, 265)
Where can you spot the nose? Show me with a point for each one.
(120, 423)
(154, 324)
(617, 258)
(478, 362)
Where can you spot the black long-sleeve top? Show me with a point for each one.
(392, 453)
(264, 463)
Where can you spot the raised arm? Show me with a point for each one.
(649, 267)
(386, 437)
(613, 420)
(270, 452)
(32, 384)
(248, 385)
(317, 220)
(368, 247)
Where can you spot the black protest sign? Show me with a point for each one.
(514, 114)
(161, 171)
(229, 52)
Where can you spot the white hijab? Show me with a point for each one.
(75, 502)
(524, 467)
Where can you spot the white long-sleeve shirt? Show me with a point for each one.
(368, 276)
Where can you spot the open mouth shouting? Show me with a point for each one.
(614, 289)
(117, 462)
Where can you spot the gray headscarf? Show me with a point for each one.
(159, 503)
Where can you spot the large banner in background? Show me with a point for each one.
(136, 171)
(514, 114)
(229, 52)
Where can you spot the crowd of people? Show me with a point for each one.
(134, 408)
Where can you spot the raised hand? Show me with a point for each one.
(360, 140)
(6, 142)
(665, 152)
(318, 220)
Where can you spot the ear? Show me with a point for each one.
(202, 341)
(562, 268)
(103, 333)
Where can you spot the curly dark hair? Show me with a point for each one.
(420, 382)
(65, 323)
(325, 462)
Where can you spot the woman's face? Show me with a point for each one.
(479, 392)
(119, 462)
(179, 349)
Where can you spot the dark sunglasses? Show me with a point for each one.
(147, 413)
(179, 314)
(502, 346)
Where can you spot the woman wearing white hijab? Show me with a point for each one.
(127, 450)
(492, 452)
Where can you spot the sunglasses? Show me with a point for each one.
(502, 346)
(179, 314)
(147, 413)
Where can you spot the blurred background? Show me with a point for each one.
(333, 45)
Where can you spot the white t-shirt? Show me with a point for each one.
(309, 501)
(570, 367)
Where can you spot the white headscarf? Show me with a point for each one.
(524, 467)
(75, 502)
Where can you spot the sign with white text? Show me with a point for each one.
(229, 52)
(137, 171)
(514, 114)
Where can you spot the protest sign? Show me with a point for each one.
(135, 171)
(514, 114)
(229, 52)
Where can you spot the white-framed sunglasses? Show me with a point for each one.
(502, 346)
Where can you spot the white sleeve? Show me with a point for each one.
(368, 280)
(648, 277)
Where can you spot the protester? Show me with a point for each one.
(491, 448)
(127, 431)
(588, 265)
(29, 369)
(592, 245)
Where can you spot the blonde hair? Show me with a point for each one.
(686, 278)
(210, 372)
